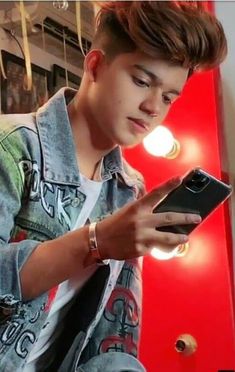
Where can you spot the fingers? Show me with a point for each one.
(172, 218)
(151, 238)
(170, 240)
(162, 240)
(154, 196)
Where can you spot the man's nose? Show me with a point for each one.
(152, 104)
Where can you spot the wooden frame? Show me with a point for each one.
(59, 79)
(14, 96)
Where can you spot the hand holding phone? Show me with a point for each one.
(199, 193)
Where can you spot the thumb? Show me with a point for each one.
(155, 196)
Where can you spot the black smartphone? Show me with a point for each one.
(199, 193)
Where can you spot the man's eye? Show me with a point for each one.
(140, 83)
(167, 100)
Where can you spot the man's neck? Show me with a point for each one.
(89, 153)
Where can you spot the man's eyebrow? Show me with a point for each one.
(155, 78)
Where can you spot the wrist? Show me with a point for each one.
(94, 250)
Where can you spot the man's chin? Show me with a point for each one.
(129, 142)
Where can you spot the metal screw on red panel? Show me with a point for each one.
(186, 344)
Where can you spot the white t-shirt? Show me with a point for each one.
(68, 288)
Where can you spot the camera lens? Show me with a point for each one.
(201, 181)
(197, 182)
(197, 177)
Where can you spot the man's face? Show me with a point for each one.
(131, 95)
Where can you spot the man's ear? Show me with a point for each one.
(93, 61)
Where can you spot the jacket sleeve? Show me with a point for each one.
(12, 254)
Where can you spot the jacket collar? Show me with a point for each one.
(58, 149)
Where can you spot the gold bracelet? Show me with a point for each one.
(93, 241)
(94, 247)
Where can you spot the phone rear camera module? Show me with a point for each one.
(196, 181)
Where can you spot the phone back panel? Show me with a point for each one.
(185, 200)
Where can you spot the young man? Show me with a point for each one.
(72, 232)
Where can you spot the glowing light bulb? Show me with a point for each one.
(163, 255)
(180, 251)
(60, 5)
(160, 142)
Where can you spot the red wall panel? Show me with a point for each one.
(191, 294)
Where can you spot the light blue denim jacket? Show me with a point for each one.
(40, 199)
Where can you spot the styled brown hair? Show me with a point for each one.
(180, 32)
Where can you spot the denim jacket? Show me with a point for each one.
(40, 199)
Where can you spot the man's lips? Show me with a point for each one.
(140, 123)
